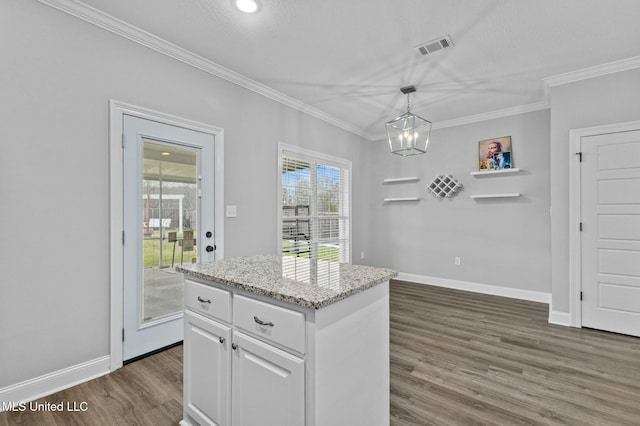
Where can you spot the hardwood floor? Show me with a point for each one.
(460, 358)
(146, 392)
(457, 358)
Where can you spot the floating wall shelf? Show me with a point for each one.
(402, 179)
(388, 200)
(506, 195)
(496, 172)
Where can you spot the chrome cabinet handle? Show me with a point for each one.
(221, 339)
(259, 321)
(234, 346)
(200, 299)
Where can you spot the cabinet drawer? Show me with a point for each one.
(207, 300)
(269, 322)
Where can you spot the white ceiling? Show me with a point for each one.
(348, 58)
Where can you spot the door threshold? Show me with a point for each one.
(162, 349)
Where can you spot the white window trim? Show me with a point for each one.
(327, 159)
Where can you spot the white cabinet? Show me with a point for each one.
(252, 360)
(268, 384)
(275, 324)
(231, 378)
(207, 372)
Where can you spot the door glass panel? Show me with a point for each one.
(169, 224)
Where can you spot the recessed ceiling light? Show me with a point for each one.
(247, 6)
(165, 153)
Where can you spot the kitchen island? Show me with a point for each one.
(284, 340)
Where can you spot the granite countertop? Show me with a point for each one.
(312, 284)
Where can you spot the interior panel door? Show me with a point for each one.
(610, 238)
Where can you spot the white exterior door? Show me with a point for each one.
(610, 237)
(168, 220)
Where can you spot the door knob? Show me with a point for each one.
(209, 249)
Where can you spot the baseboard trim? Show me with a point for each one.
(559, 318)
(513, 293)
(47, 384)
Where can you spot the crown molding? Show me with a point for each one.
(491, 115)
(591, 72)
(110, 23)
(137, 35)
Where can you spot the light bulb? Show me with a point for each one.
(247, 6)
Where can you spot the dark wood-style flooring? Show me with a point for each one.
(457, 358)
(147, 392)
(460, 358)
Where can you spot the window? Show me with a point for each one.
(315, 206)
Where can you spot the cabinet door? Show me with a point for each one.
(268, 385)
(207, 370)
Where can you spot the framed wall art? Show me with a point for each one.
(495, 154)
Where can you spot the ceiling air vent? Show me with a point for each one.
(435, 45)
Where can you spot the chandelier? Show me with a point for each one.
(408, 134)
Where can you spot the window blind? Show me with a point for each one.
(315, 215)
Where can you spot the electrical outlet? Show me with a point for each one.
(456, 260)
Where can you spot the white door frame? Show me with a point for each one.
(575, 203)
(117, 110)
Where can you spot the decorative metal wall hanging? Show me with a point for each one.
(444, 186)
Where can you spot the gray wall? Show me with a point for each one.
(598, 101)
(57, 77)
(501, 242)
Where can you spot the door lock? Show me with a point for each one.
(209, 234)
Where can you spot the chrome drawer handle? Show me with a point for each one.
(201, 300)
(259, 321)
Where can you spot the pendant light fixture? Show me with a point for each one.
(408, 134)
